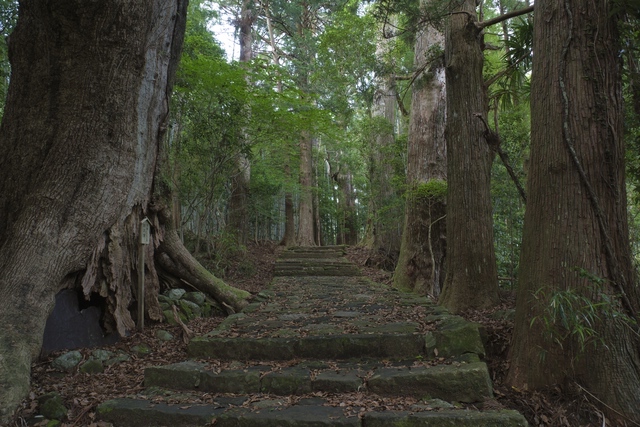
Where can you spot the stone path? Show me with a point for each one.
(324, 347)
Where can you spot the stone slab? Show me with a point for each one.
(467, 382)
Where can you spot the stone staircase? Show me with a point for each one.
(324, 347)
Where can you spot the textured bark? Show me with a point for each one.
(305, 214)
(240, 180)
(576, 102)
(422, 254)
(472, 278)
(347, 216)
(384, 233)
(79, 138)
(239, 200)
(289, 237)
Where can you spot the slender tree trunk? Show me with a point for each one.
(575, 231)
(472, 278)
(421, 262)
(241, 179)
(305, 214)
(79, 139)
(349, 220)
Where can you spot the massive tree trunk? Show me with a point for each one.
(421, 262)
(384, 233)
(576, 244)
(79, 140)
(472, 278)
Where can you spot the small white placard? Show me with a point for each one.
(145, 231)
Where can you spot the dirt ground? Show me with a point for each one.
(253, 271)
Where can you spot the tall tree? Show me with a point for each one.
(241, 178)
(577, 292)
(421, 262)
(86, 109)
(472, 278)
(383, 232)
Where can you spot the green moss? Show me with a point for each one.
(432, 190)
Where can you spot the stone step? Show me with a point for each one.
(324, 254)
(343, 346)
(457, 382)
(315, 261)
(225, 412)
(317, 271)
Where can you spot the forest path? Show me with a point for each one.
(324, 346)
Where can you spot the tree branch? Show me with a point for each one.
(494, 142)
(498, 19)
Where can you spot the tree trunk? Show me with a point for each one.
(421, 262)
(241, 179)
(347, 218)
(85, 112)
(305, 225)
(383, 235)
(575, 238)
(472, 278)
(79, 144)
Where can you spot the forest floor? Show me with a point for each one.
(81, 393)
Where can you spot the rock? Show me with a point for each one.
(430, 404)
(102, 355)
(190, 309)
(163, 299)
(141, 350)
(67, 361)
(163, 335)
(121, 357)
(92, 366)
(176, 294)
(195, 297)
(168, 316)
(52, 407)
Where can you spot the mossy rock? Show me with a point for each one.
(163, 335)
(93, 366)
(195, 297)
(168, 316)
(52, 407)
(119, 358)
(102, 355)
(67, 361)
(190, 309)
(141, 350)
(175, 294)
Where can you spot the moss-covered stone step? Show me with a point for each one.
(317, 271)
(458, 382)
(315, 261)
(142, 413)
(344, 346)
